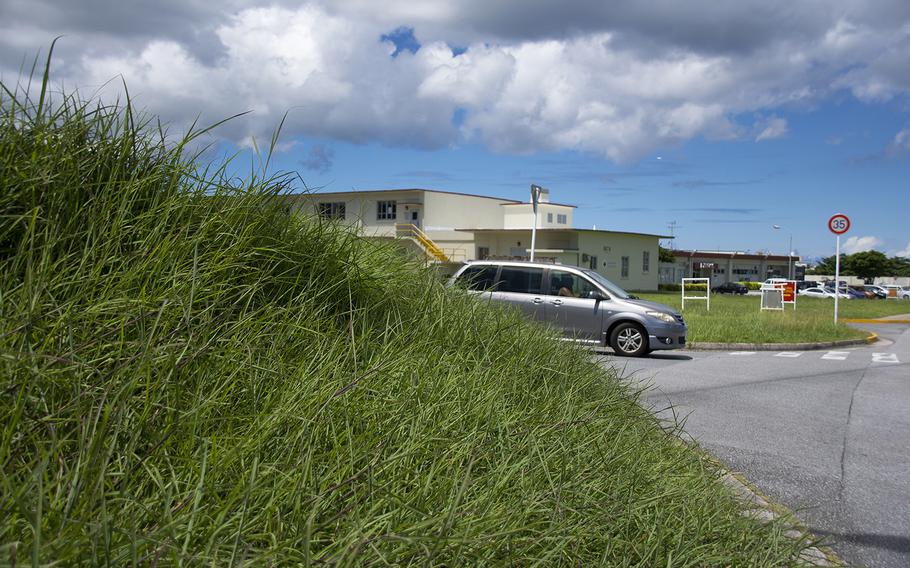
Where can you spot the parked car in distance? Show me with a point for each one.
(854, 294)
(896, 291)
(731, 288)
(868, 294)
(842, 294)
(775, 281)
(803, 284)
(581, 303)
(877, 290)
(817, 292)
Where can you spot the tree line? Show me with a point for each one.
(867, 265)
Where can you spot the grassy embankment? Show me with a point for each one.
(191, 376)
(738, 318)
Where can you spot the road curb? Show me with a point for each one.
(761, 508)
(871, 338)
(876, 321)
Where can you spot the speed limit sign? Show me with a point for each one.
(839, 224)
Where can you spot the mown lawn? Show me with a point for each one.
(738, 319)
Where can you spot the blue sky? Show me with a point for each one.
(727, 118)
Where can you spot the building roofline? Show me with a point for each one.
(731, 255)
(356, 191)
(567, 230)
(541, 203)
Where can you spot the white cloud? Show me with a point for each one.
(774, 127)
(861, 244)
(621, 81)
(905, 252)
(900, 144)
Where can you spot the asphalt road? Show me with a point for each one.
(826, 433)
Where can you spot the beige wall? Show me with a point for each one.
(610, 248)
(439, 214)
(361, 208)
(521, 216)
(446, 212)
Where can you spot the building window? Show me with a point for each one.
(549, 217)
(334, 210)
(593, 263)
(646, 261)
(386, 210)
(624, 273)
(560, 219)
(483, 253)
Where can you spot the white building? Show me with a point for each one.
(729, 266)
(454, 227)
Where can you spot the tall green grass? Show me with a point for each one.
(189, 375)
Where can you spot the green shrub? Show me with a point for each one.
(752, 285)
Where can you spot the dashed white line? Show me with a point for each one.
(742, 352)
(788, 354)
(836, 355)
(884, 358)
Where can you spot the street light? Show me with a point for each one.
(789, 253)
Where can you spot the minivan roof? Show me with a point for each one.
(525, 263)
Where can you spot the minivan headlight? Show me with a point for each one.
(662, 316)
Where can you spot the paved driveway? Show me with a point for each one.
(826, 433)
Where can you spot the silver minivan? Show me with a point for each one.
(580, 302)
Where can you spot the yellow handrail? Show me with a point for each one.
(414, 232)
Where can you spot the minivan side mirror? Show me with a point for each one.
(597, 295)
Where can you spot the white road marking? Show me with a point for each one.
(788, 354)
(884, 358)
(742, 353)
(836, 355)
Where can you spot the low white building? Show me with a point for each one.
(454, 227)
(729, 266)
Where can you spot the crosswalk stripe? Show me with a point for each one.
(885, 358)
(836, 355)
(788, 354)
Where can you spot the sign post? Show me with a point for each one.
(837, 224)
(535, 198)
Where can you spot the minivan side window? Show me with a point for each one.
(480, 277)
(520, 279)
(570, 285)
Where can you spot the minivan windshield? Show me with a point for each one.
(612, 288)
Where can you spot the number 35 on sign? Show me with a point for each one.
(839, 224)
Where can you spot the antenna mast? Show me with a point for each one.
(673, 225)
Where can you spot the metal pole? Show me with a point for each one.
(535, 196)
(790, 259)
(836, 277)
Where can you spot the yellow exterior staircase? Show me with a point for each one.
(409, 231)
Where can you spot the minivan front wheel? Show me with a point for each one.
(629, 340)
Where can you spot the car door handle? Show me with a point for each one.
(557, 302)
(537, 301)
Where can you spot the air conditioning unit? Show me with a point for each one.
(585, 258)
